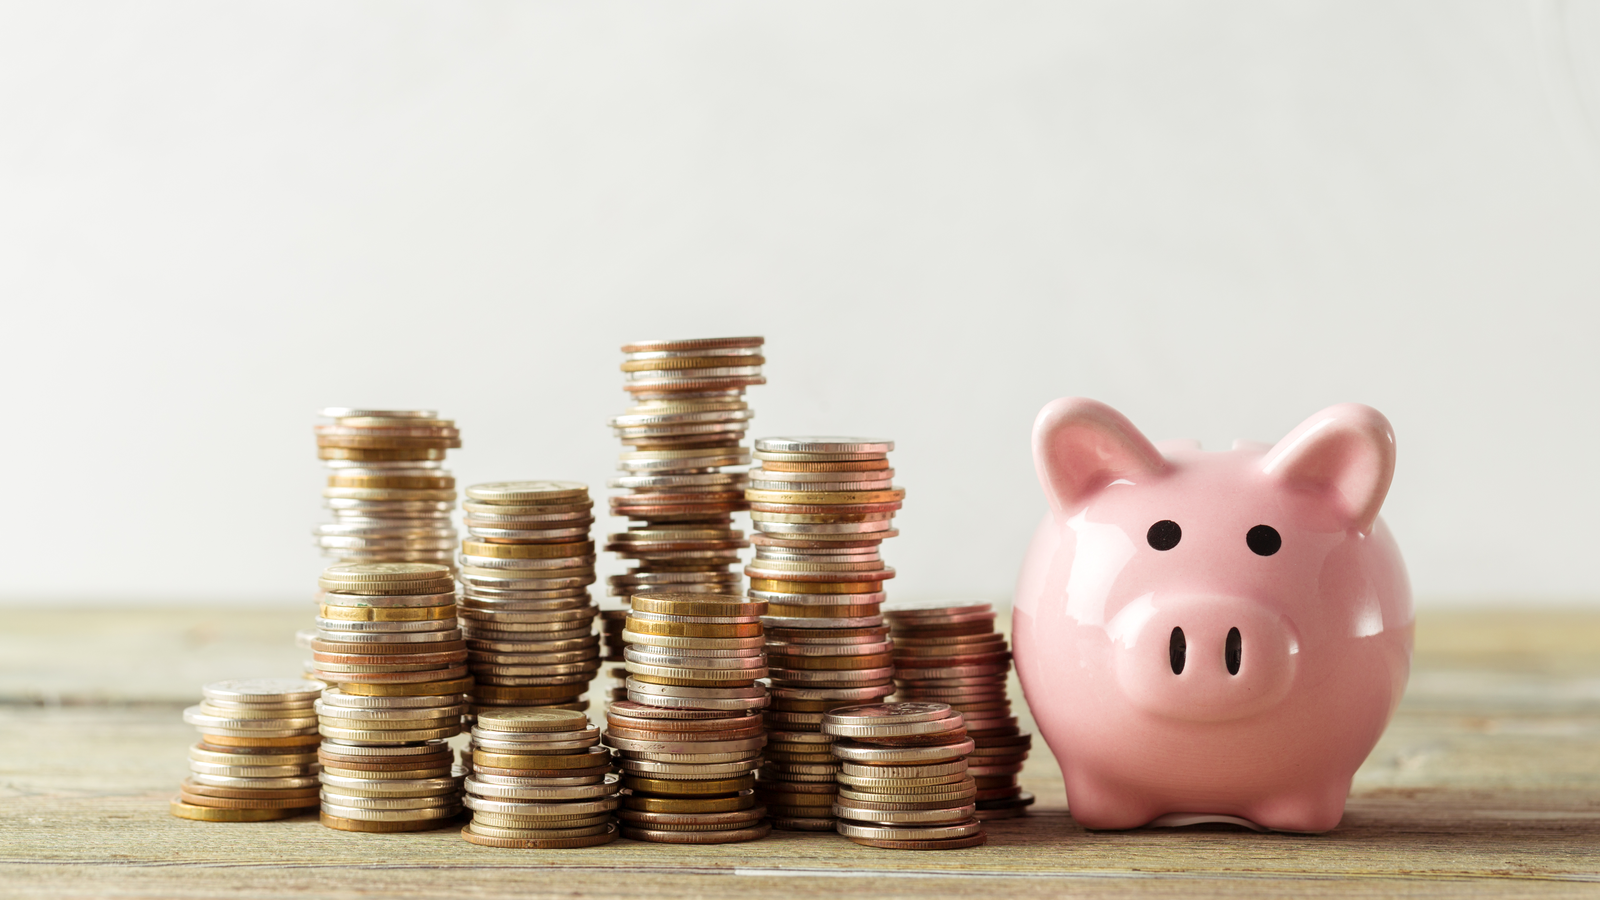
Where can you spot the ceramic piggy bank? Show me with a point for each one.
(1212, 636)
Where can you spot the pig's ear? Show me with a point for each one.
(1080, 446)
(1344, 454)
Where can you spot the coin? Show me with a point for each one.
(185, 810)
(656, 835)
(594, 840)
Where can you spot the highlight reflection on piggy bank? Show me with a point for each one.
(1212, 634)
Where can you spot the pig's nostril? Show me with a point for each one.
(1233, 650)
(1177, 649)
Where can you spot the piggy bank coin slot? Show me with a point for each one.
(1233, 651)
(1177, 649)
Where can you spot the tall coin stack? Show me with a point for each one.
(686, 427)
(952, 654)
(257, 755)
(539, 781)
(903, 777)
(821, 506)
(526, 567)
(688, 739)
(387, 486)
(387, 639)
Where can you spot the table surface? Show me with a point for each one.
(1486, 783)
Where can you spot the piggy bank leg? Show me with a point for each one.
(1312, 811)
(1100, 806)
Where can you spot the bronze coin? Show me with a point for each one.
(976, 840)
(194, 799)
(378, 826)
(730, 836)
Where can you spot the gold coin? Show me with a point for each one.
(414, 689)
(727, 836)
(383, 826)
(374, 454)
(815, 587)
(582, 760)
(686, 629)
(826, 611)
(185, 810)
(533, 720)
(527, 551)
(679, 604)
(223, 740)
(528, 692)
(387, 613)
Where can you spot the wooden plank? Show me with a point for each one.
(1486, 784)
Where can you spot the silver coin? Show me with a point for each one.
(827, 444)
(515, 781)
(490, 791)
(669, 659)
(353, 802)
(352, 412)
(273, 784)
(391, 815)
(482, 594)
(766, 474)
(294, 771)
(335, 626)
(711, 417)
(378, 507)
(529, 808)
(263, 690)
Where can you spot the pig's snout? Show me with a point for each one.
(1208, 659)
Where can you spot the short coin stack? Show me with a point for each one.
(388, 639)
(822, 506)
(526, 567)
(257, 756)
(952, 654)
(390, 495)
(903, 779)
(688, 739)
(687, 426)
(539, 781)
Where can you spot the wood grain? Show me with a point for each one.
(1486, 784)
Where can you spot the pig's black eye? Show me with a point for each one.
(1264, 540)
(1164, 535)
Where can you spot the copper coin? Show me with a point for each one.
(194, 799)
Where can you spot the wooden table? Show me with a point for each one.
(1487, 783)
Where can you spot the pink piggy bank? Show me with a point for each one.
(1212, 636)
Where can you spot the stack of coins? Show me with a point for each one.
(821, 506)
(687, 426)
(539, 781)
(612, 623)
(688, 739)
(952, 654)
(526, 567)
(388, 640)
(390, 495)
(903, 776)
(257, 756)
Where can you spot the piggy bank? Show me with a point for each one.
(1212, 636)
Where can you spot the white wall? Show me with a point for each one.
(217, 218)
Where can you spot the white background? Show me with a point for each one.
(216, 218)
